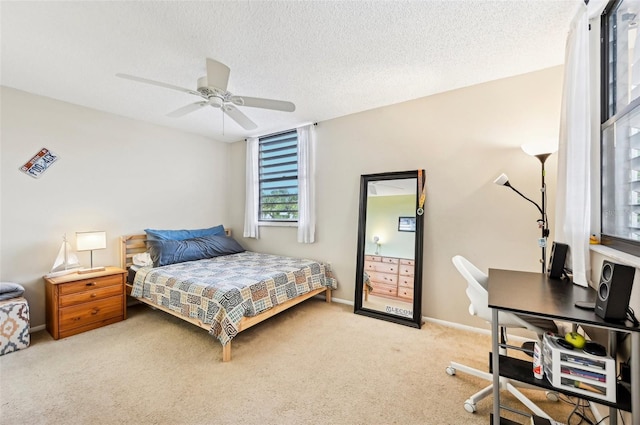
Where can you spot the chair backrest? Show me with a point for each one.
(477, 284)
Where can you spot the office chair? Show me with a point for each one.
(479, 297)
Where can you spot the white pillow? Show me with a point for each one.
(143, 259)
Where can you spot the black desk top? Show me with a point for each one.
(536, 294)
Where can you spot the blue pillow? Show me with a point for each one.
(180, 235)
(165, 252)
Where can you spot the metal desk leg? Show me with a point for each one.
(495, 359)
(635, 378)
(613, 351)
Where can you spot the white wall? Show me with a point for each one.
(463, 139)
(114, 174)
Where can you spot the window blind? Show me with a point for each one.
(278, 177)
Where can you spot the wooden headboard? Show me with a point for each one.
(131, 245)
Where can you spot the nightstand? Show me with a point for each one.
(77, 303)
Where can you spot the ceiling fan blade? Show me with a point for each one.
(235, 114)
(217, 74)
(187, 109)
(258, 102)
(158, 83)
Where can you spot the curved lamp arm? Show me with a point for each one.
(503, 180)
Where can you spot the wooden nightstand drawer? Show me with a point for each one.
(406, 270)
(88, 284)
(90, 295)
(389, 279)
(380, 267)
(405, 281)
(381, 289)
(84, 314)
(405, 292)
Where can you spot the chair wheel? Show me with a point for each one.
(552, 395)
(470, 406)
(450, 371)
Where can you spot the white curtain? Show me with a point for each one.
(252, 185)
(573, 207)
(306, 184)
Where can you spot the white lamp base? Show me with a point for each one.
(91, 270)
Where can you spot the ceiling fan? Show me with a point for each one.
(213, 89)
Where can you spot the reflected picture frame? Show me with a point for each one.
(406, 224)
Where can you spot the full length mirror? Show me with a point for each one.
(389, 258)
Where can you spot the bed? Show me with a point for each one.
(226, 294)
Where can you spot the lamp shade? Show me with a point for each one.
(501, 180)
(541, 148)
(87, 241)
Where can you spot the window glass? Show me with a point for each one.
(620, 150)
(623, 56)
(278, 170)
(621, 177)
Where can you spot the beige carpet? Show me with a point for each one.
(317, 363)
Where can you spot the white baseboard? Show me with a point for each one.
(448, 324)
(340, 300)
(37, 328)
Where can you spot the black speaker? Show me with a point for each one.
(614, 291)
(557, 260)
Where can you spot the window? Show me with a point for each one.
(278, 177)
(620, 130)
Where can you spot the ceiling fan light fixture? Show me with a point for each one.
(216, 102)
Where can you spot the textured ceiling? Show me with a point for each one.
(331, 58)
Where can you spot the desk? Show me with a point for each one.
(534, 294)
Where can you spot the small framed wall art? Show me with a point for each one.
(406, 224)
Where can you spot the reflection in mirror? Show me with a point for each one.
(388, 281)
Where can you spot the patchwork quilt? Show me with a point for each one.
(221, 291)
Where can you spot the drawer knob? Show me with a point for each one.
(95, 311)
(93, 295)
(91, 284)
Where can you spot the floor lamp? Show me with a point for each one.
(542, 152)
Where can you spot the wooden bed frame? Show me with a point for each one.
(136, 244)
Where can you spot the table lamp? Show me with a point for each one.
(90, 241)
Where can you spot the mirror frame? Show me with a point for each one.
(365, 179)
